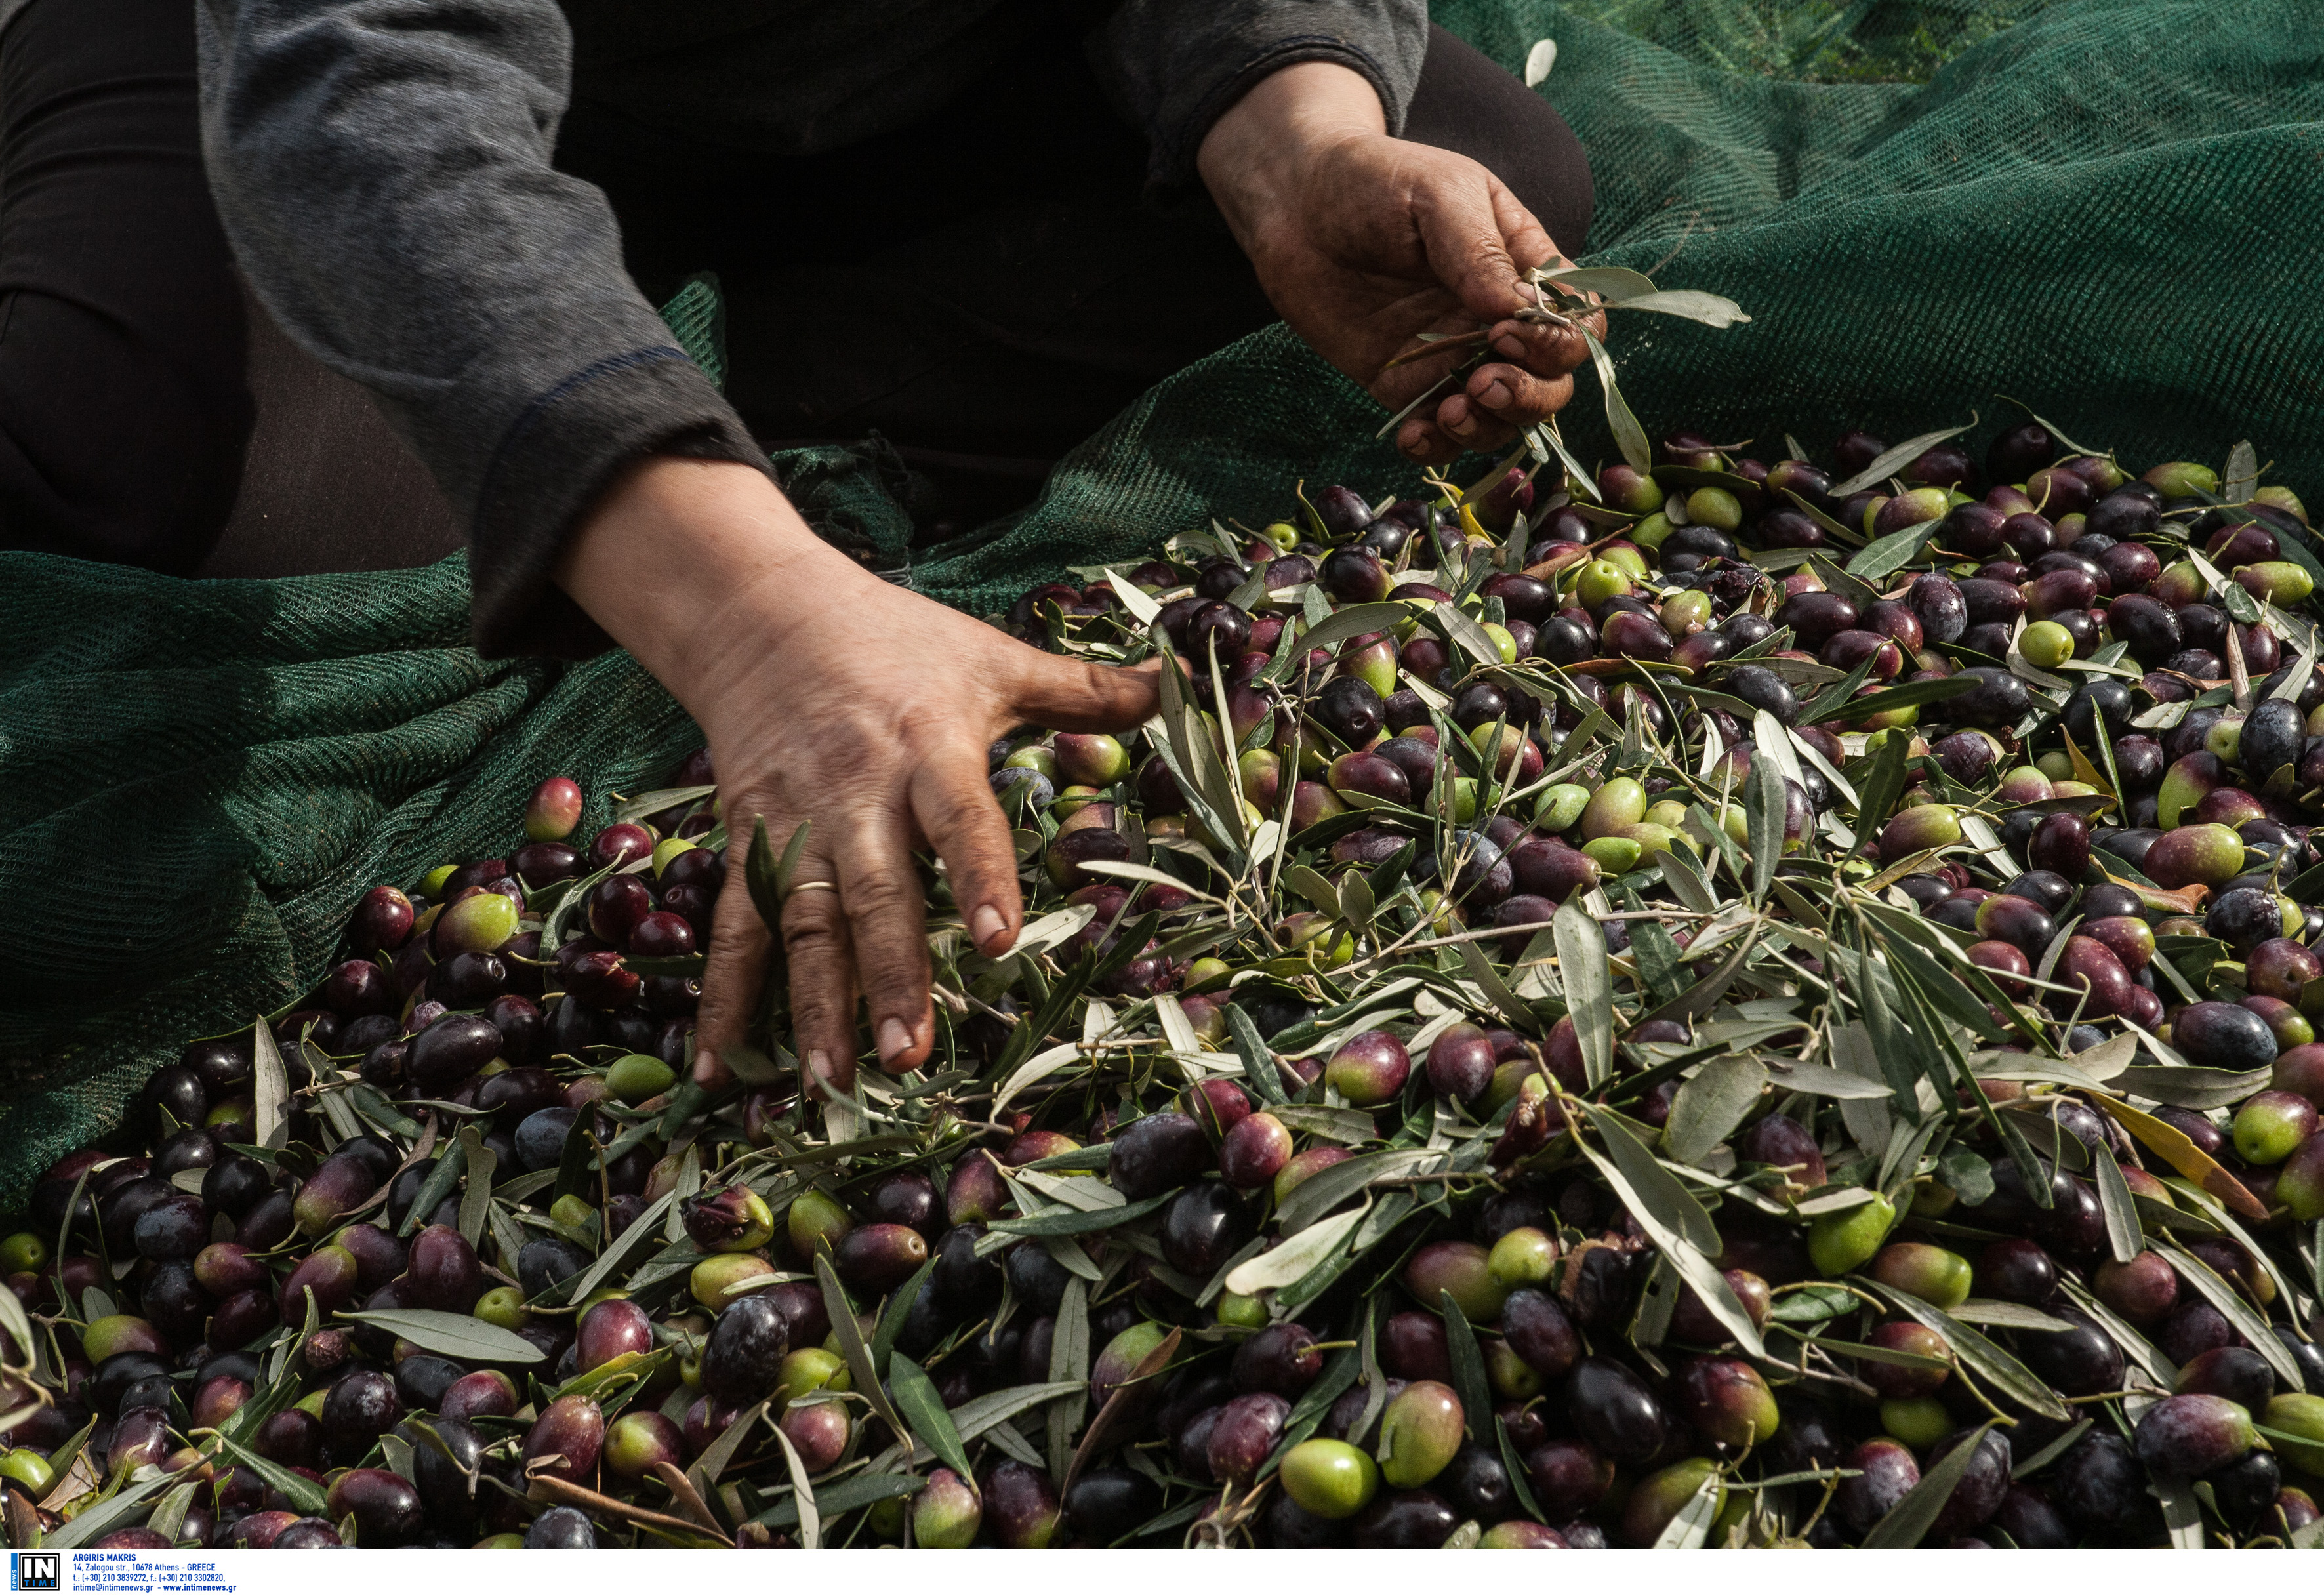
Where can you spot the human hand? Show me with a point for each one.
(835, 700)
(1364, 242)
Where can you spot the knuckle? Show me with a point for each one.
(879, 898)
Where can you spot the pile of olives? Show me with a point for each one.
(1720, 1005)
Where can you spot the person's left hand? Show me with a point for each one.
(1364, 242)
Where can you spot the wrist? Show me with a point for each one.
(686, 561)
(1257, 155)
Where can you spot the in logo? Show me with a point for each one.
(34, 1571)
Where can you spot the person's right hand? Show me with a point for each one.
(832, 699)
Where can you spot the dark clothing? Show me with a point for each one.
(122, 407)
(985, 289)
(981, 282)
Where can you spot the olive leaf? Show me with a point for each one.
(1884, 556)
(2123, 1239)
(915, 1397)
(833, 1500)
(1690, 1527)
(1765, 802)
(849, 1336)
(270, 1091)
(1711, 1104)
(1629, 436)
(1582, 968)
(1891, 460)
(1973, 1349)
(2249, 1325)
(452, 1335)
(1069, 1364)
(1468, 1361)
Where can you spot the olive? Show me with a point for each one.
(1815, 618)
(1107, 1503)
(1330, 1479)
(561, 1530)
(1405, 1521)
(1463, 1270)
(743, 1358)
(1727, 1401)
(1203, 1227)
(1280, 1359)
(1996, 699)
(2236, 1374)
(1885, 1472)
(2223, 1036)
(360, 1407)
(1615, 1411)
(1369, 1067)
(571, 1431)
(385, 1507)
(1243, 1436)
(548, 1260)
(879, 1258)
(1979, 1493)
(1154, 1154)
(1762, 689)
(2186, 1437)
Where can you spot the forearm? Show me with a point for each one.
(384, 171)
(676, 553)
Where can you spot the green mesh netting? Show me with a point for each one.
(2099, 207)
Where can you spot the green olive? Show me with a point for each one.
(2046, 645)
(638, 1076)
(502, 1306)
(1715, 507)
(1330, 1479)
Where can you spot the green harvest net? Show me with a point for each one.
(2098, 208)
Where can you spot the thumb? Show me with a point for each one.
(1481, 239)
(1076, 696)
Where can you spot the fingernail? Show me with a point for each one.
(1495, 396)
(895, 1039)
(1511, 347)
(706, 1068)
(986, 924)
(818, 1065)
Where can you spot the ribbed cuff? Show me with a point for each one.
(558, 456)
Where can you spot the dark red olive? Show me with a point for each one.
(1885, 1472)
(1154, 1154)
(1569, 1477)
(879, 1258)
(1280, 1359)
(1615, 1411)
(1815, 618)
(385, 1507)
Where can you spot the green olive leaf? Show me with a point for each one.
(452, 1335)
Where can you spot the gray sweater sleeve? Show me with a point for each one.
(382, 170)
(1177, 65)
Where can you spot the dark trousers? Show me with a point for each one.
(984, 289)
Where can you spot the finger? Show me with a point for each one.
(1421, 440)
(822, 977)
(1470, 426)
(1527, 240)
(888, 930)
(732, 978)
(1547, 351)
(1474, 235)
(1518, 397)
(955, 805)
(1074, 695)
